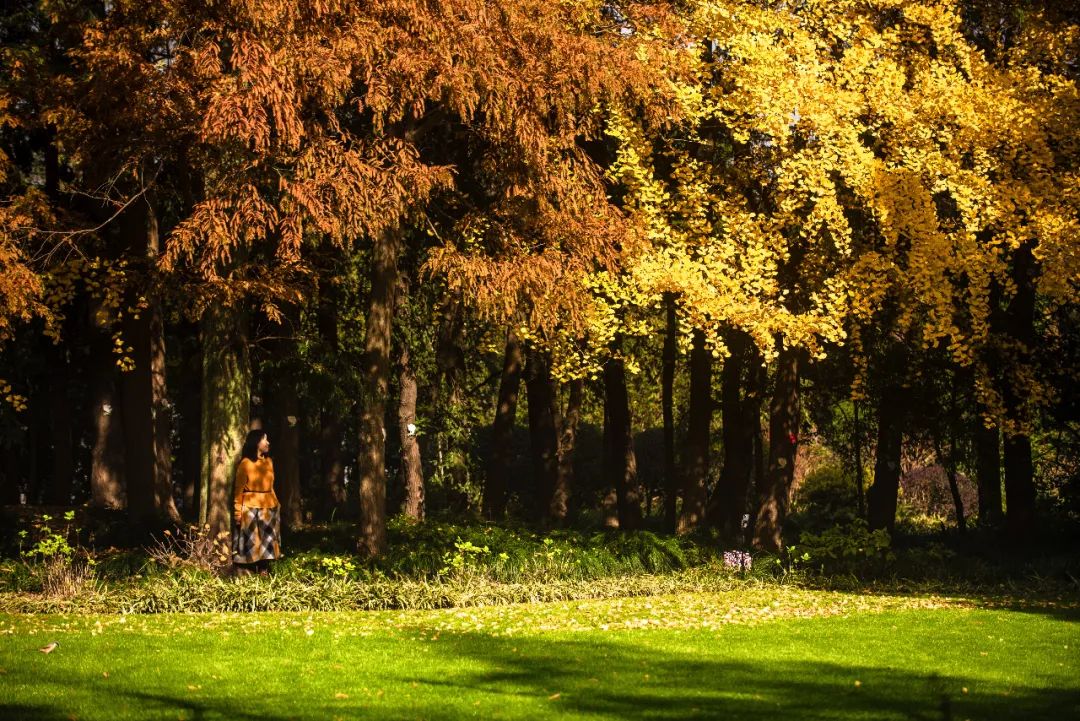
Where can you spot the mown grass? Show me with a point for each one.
(746, 653)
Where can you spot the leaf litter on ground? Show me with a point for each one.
(748, 605)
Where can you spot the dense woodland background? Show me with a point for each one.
(634, 265)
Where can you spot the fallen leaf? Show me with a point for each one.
(554, 696)
(341, 695)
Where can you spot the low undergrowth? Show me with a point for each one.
(441, 565)
(204, 592)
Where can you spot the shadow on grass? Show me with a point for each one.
(629, 677)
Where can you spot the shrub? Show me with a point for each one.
(59, 568)
(192, 547)
(827, 496)
(849, 548)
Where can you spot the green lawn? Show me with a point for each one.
(754, 653)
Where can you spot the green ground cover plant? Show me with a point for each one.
(440, 565)
(769, 652)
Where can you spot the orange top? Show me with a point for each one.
(254, 487)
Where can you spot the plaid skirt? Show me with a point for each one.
(256, 537)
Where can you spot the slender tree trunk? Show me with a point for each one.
(667, 384)
(954, 486)
(148, 451)
(742, 423)
(136, 395)
(758, 384)
(287, 453)
(37, 452)
(949, 461)
(502, 429)
(609, 502)
(332, 469)
(1019, 468)
(623, 462)
(412, 472)
(376, 372)
(63, 451)
(860, 483)
(696, 453)
(783, 441)
(107, 451)
(450, 369)
(883, 495)
(568, 425)
(543, 433)
(226, 399)
(987, 440)
(737, 454)
(330, 425)
(282, 411)
(161, 416)
(191, 433)
(1019, 485)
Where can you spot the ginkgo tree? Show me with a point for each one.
(837, 171)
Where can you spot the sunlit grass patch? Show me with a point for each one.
(744, 653)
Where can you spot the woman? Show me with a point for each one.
(256, 511)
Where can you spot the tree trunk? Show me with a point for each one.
(667, 383)
(883, 495)
(609, 502)
(226, 398)
(282, 411)
(954, 488)
(543, 433)
(136, 395)
(741, 409)
(190, 433)
(148, 451)
(987, 441)
(332, 471)
(1019, 468)
(161, 416)
(949, 461)
(450, 369)
(622, 465)
(412, 472)
(860, 484)
(1019, 486)
(502, 430)
(759, 462)
(568, 425)
(376, 374)
(286, 450)
(107, 451)
(61, 488)
(783, 441)
(696, 453)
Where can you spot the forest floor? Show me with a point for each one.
(749, 653)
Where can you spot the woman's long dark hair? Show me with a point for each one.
(251, 444)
